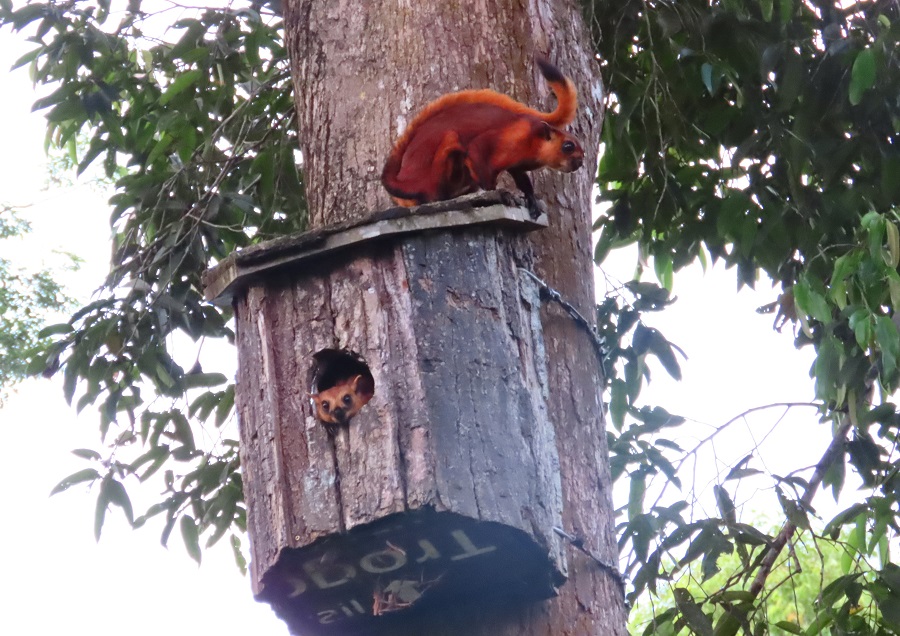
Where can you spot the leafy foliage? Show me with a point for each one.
(794, 601)
(767, 134)
(27, 300)
(196, 132)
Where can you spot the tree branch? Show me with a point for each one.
(787, 531)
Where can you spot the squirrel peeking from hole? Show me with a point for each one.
(339, 403)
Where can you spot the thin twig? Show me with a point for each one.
(719, 429)
(787, 531)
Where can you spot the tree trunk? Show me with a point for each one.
(361, 71)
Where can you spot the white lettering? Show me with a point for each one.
(327, 616)
(428, 551)
(298, 586)
(469, 549)
(345, 572)
(383, 561)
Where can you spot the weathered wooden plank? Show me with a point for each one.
(488, 414)
(258, 417)
(236, 272)
(369, 464)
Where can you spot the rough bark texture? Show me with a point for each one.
(361, 71)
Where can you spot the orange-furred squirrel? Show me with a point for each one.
(337, 404)
(461, 142)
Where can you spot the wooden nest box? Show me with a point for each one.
(445, 487)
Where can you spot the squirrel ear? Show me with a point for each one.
(545, 130)
(363, 385)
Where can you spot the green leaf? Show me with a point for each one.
(888, 340)
(27, 14)
(182, 82)
(165, 140)
(790, 627)
(728, 624)
(69, 110)
(787, 10)
(890, 609)
(183, 432)
(835, 476)
(741, 473)
(192, 36)
(862, 324)
(633, 370)
(657, 417)
(794, 511)
(604, 244)
(191, 537)
(637, 490)
(811, 302)
(844, 267)
(822, 621)
(194, 380)
(692, 613)
(862, 77)
(665, 353)
(226, 403)
(167, 529)
(706, 74)
(86, 453)
(837, 589)
(663, 266)
(86, 474)
(891, 576)
(164, 377)
(749, 535)
(725, 504)
(100, 511)
(618, 403)
(883, 414)
(239, 559)
(63, 93)
(97, 146)
(117, 495)
(791, 81)
(27, 58)
(893, 282)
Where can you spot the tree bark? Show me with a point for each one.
(361, 71)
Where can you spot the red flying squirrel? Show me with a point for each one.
(339, 403)
(461, 142)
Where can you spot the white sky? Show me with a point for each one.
(57, 580)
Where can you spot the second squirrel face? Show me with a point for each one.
(341, 402)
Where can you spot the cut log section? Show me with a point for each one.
(445, 486)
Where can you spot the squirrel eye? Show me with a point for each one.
(348, 400)
(568, 147)
(325, 405)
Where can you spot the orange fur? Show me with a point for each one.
(336, 405)
(461, 142)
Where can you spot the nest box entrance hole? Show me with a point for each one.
(341, 384)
